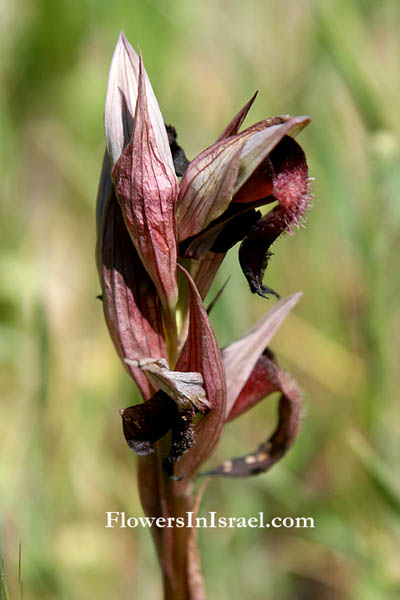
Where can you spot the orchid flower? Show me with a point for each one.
(160, 243)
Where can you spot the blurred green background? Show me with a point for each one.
(64, 461)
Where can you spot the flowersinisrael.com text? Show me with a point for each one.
(212, 521)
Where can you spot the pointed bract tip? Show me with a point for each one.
(302, 121)
(125, 41)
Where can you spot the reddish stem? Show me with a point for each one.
(176, 547)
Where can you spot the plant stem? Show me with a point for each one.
(176, 546)
(171, 335)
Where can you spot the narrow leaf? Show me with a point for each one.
(217, 296)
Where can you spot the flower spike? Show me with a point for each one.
(160, 242)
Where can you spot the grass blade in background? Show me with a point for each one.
(381, 475)
(3, 585)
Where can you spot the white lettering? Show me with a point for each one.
(111, 519)
(132, 522)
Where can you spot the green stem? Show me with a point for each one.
(171, 335)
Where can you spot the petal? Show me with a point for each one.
(130, 302)
(147, 189)
(121, 97)
(259, 185)
(261, 142)
(201, 354)
(291, 189)
(214, 177)
(241, 357)
(269, 452)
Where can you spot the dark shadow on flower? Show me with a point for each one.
(145, 423)
(181, 163)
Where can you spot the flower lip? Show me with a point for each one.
(284, 436)
(290, 183)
